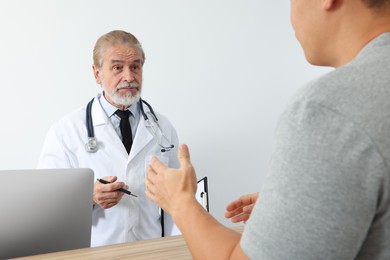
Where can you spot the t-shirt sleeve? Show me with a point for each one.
(320, 196)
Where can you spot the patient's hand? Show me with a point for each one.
(241, 209)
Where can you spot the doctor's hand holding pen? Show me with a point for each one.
(107, 192)
(241, 209)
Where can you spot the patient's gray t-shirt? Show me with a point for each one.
(327, 193)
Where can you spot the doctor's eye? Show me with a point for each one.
(135, 68)
(117, 68)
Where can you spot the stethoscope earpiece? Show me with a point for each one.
(167, 148)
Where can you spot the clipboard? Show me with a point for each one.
(202, 193)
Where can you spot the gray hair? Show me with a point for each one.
(113, 38)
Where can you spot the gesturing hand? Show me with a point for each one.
(241, 209)
(169, 187)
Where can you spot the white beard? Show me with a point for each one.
(128, 99)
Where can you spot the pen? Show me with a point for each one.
(120, 189)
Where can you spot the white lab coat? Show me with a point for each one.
(132, 218)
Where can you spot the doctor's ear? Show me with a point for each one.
(96, 74)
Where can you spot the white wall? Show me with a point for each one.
(221, 70)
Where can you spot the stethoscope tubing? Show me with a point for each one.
(89, 122)
(91, 145)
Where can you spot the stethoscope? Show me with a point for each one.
(92, 146)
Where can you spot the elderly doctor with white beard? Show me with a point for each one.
(117, 217)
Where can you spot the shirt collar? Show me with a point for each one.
(109, 109)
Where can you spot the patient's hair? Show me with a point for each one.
(377, 4)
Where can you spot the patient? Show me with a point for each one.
(327, 194)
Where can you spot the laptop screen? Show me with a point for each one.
(45, 210)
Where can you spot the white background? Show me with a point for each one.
(221, 70)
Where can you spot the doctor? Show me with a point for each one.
(117, 217)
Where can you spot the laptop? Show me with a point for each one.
(45, 210)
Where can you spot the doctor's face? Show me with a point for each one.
(120, 75)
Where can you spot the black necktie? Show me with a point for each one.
(127, 138)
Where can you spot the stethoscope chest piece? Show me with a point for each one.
(91, 146)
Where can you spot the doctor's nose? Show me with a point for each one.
(128, 75)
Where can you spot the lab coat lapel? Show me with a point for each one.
(99, 117)
(142, 138)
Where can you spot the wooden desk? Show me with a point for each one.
(159, 248)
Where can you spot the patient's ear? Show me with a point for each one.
(328, 5)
